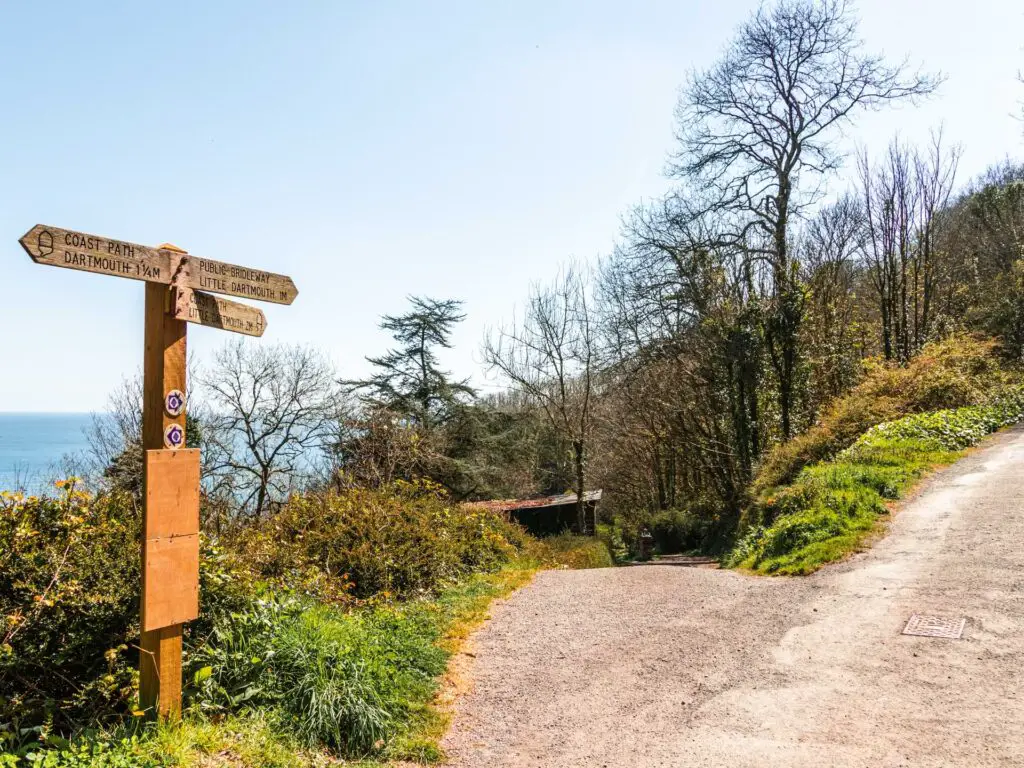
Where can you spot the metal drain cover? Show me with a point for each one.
(935, 626)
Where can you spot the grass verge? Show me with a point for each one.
(462, 609)
(833, 507)
(457, 612)
(292, 683)
(572, 552)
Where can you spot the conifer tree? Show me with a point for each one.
(408, 380)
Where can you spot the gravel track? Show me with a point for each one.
(664, 665)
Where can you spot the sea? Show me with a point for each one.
(36, 447)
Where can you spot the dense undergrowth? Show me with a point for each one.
(959, 371)
(324, 630)
(833, 506)
(361, 543)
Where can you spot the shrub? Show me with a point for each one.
(833, 505)
(96, 751)
(226, 668)
(567, 550)
(614, 540)
(672, 530)
(282, 636)
(69, 604)
(69, 583)
(954, 373)
(398, 540)
(699, 528)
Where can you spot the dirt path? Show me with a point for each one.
(664, 665)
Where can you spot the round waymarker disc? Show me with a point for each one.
(174, 403)
(174, 436)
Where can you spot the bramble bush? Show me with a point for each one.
(834, 505)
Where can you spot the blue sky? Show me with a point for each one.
(373, 150)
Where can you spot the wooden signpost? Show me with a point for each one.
(58, 247)
(207, 309)
(178, 291)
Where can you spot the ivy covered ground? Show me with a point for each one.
(834, 506)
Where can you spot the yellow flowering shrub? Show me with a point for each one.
(69, 579)
(393, 541)
(69, 604)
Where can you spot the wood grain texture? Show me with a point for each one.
(172, 493)
(205, 309)
(163, 369)
(243, 282)
(170, 546)
(58, 247)
(165, 665)
(172, 575)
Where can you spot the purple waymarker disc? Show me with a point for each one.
(174, 403)
(174, 436)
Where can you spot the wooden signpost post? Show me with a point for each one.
(179, 290)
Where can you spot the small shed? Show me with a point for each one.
(549, 515)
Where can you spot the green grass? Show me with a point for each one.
(364, 683)
(834, 507)
(250, 740)
(456, 613)
(292, 684)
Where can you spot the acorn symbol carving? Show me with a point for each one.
(45, 243)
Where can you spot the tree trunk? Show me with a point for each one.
(670, 476)
(886, 325)
(785, 398)
(926, 299)
(659, 478)
(579, 463)
(261, 497)
(788, 311)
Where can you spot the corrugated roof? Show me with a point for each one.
(507, 505)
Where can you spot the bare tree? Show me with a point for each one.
(552, 357)
(677, 308)
(114, 457)
(935, 175)
(829, 249)
(115, 437)
(757, 137)
(903, 199)
(274, 409)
